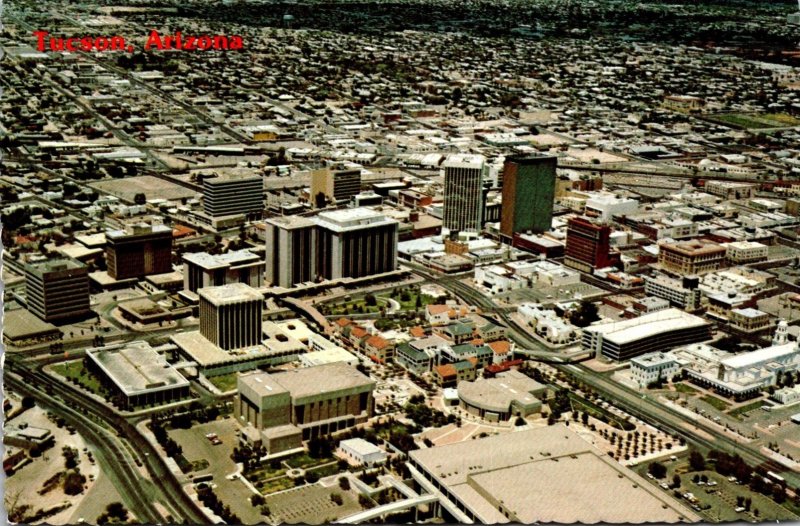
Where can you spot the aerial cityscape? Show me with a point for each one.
(399, 262)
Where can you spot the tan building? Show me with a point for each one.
(230, 315)
(749, 320)
(282, 409)
(691, 257)
(334, 186)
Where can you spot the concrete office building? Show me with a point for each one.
(355, 243)
(334, 186)
(680, 292)
(202, 270)
(543, 475)
(292, 253)
(232, 195)
(691, 257)
(279, 410)
(529, 184)
(138, 374)
(139, 250)
(659, 331)
(57, 290)
(463, 192)
(588, 245)
(230, 315)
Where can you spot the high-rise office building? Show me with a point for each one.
(463, 192)
(291, 250)
(588, 245)
(57, 290)
(231, 195)
(206, 270)
(230, 315)
(529, 184)
(334, 186)
(354, 243)
(139, 250)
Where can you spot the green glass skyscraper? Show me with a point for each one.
(529, 185)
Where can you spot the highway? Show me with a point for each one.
(138, 492)
(633, 402)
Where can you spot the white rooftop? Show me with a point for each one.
(648, 325)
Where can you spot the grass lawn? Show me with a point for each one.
(716, 403)
(303, 460)
(756, 121)
(324, 471)
(77, 371)
(224, 382)
(739, 411)
(277, 485)
(683, 388)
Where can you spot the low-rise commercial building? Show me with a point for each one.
(362, 453)
(137, 374)
(691, 257)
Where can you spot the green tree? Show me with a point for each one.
(140, 198)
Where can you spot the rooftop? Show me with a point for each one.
(214, 261)
(476, 162)
(136, 368)
(548, 474)
(229, 294)
(498, 393)
(652, 324)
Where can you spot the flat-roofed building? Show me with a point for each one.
(57, 290)
(355, 243)
(529, 185)
(334, 186)
(658, 331)
(137, 374)
(463, 192)
(543, 475)
(302, 403)
(730, 190)
(588, 245)
(742, 252)
(202, 270)
(230, 315)
(503, 397)
(139, 250)
(292, 254)
(680, 292)
(749, 320)
(652, 367)
(233, 195)
(362, 453)
(21, 327)
(691, 257)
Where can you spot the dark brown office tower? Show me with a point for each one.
(138, 251)
(529, 186)
(588, 245)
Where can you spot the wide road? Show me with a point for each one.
(642, 407)
(139, 493)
